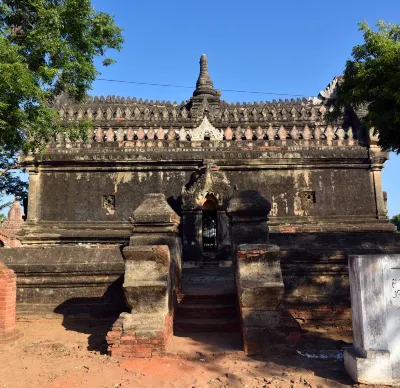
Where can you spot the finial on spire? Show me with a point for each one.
(204, 79)
(204, 84)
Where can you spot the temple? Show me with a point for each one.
(202, 177)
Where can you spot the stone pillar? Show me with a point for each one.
(33, 195)
(8, 289)
(248, 213)
(376, 172)
(377, 157)
(147, 329)
(260, 290)
(369, 360)
(152, 278)
(156, 223)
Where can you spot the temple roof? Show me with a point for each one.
(206, 101)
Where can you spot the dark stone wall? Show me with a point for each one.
(88, 279)
(68, 280)
(77, 195)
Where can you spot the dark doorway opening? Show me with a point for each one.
(210, 224)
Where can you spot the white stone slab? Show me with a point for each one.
(375, 301)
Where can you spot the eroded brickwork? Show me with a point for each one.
(8, 287)
(131, 344)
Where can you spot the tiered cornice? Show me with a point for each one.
(130, 119)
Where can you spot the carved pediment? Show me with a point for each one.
(206, 129)
(209, 180)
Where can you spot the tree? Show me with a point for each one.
(371, 80)
(47, 47)
(396, 221)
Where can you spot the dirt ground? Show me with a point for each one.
(72, 353)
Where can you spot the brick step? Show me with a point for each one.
(185, 325)
(186, 310)
(207, 299)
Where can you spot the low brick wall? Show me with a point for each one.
(150, 296)
(130, 344)
(8, 289)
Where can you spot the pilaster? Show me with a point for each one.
(33, 197)
(377, 159)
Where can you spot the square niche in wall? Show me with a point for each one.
(308, 197)
(108, 202)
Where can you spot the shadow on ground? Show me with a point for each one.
(317, 350)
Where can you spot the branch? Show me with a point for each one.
(16, 30)
(13, 167)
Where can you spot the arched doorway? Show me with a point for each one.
(205, 224)
(210, 224)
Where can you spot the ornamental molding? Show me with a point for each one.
(209, 180)
(206, 129)
(330, 91)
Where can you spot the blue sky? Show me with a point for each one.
(292, 47)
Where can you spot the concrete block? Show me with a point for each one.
(375, 368)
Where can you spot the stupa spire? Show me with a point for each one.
(204, 84)
(204, 80)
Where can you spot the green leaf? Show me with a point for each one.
(47, 47)
(371, 79)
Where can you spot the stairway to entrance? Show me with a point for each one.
(207, 302)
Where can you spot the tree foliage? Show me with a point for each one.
(47, 47)
(371, 80)
(396, 221)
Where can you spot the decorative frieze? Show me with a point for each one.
(156, 112)
(206, 131)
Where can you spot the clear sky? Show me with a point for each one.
(290, 46)
(271, 46)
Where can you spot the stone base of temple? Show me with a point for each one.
(150, 340)
(87, 280)
(266, 330)
(376, 368)
(321, 315)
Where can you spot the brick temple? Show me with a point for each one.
(201, 204)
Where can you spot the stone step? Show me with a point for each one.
(186, 325)
(210, 264)
(206, 298)
(186, 310)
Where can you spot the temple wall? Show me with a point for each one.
(67, 279)
(323, 183)
(88, 279)
(321, 198)
(77, 195)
